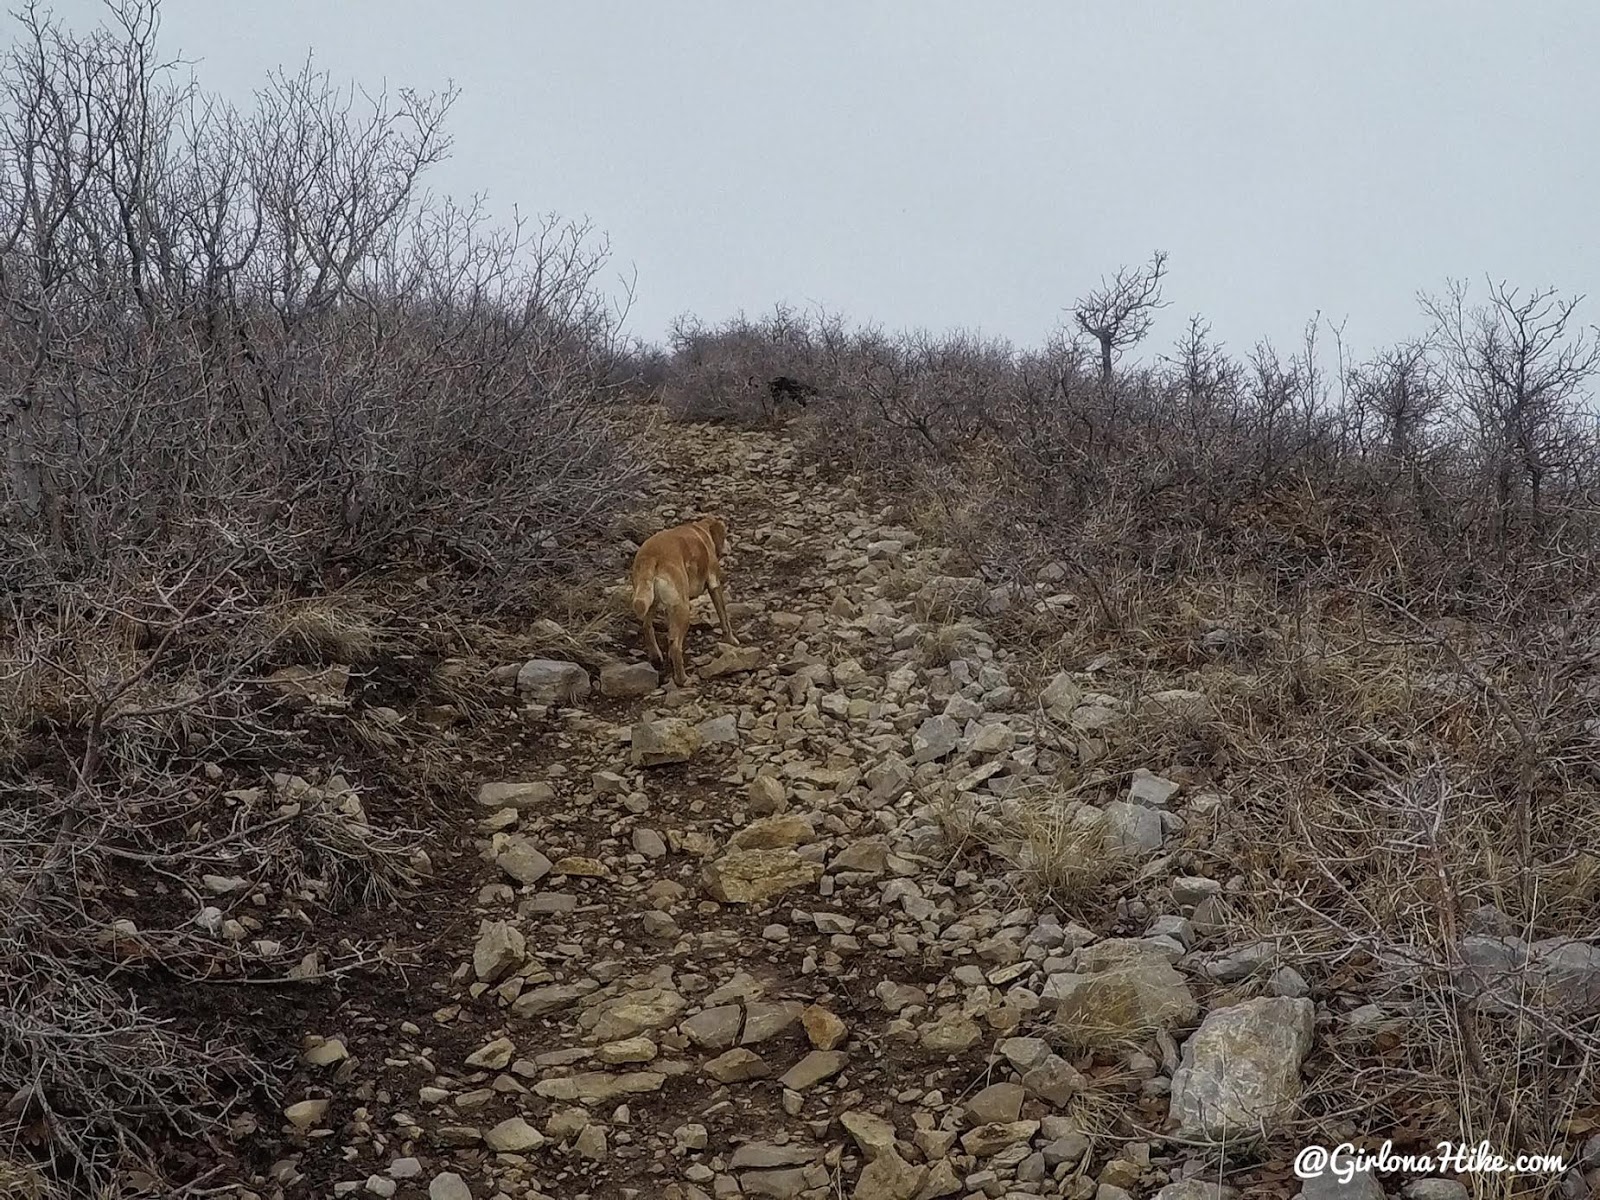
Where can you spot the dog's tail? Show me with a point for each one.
(644, 596)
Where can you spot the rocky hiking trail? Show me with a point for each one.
(729, 941)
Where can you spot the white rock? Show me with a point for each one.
(1241, 1069)
(550, 681)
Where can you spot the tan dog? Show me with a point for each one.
(671, 569)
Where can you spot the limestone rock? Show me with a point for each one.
(995, 1104)
(1054, 1080)
(991, 1139)
(1176, 704)
(633, 1013)
(554, 998)
(872, 1133)
(513, 1136)
(1241, 1069)
(306, 1113)
(737, 1066)
(768, 1019)
(751, 876)
(1132, 829)
(597, 1087)
(1060, 697)
(1362, 1185)
(719, 731)
(1197, 1189)
(765, 1156)
(493, 1055)
(628, 680)
(550, 681)
(627, 1050)
(943, 1180)
(500, 947)
(732, 660)
(813, 1069)
(1434, 1189)
(1153, 791)
(766, 795)
(326, 1052)
(824, 1030)
(521, 860)
(520, 796)
(889, 1177)
(662, 741)
(774, 833)
(714, 1028)
(953, 1034)
(935, 738)
(870, 857)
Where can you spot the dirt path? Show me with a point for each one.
(760, 970)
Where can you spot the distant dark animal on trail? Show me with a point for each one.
(787, 389)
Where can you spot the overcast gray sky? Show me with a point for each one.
(937, 164)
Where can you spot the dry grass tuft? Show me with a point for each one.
(1115, 1024)
(1062, 858)
(583, 622)
(23, 1182)
(1104, 1113)
(325, 629)
(940, 645)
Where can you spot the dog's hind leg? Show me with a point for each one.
(644, 606)
(722, 614)
(651, 647)
(677, 631)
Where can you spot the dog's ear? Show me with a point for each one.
(719, 532)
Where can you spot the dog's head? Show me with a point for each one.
(718, 529)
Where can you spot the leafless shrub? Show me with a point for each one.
(1519, 373)
(1117, 314)
(721, 373)
(101, 1072)
(244, 359)
(237, 329)
(1398, 464)
(1378, 575)
(1397, 400)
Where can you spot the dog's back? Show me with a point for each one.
(682, 558)
(671, 569)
